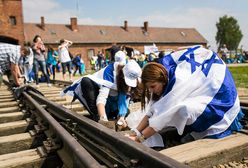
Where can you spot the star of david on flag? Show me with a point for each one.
(206, 65)
(200, 96)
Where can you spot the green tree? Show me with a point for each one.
(228, 32)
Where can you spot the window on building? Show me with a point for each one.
(12, 20)
(53, 32)
(183, 34)
(103, 32)
(91, 53)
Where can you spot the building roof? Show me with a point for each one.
(52, 33)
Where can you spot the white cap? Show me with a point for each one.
(132, 72)
(120, 57)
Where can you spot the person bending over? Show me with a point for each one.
(191, 90)
(105, 93)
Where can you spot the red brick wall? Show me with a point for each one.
(175, 46)
(11, 8)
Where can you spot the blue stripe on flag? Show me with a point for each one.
(191, 58)
(220, 104)
(214, 59)
(71, 88)
(190, 50)
(108, 73)
(170, 66)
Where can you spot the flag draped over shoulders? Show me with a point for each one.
(200, 95)
(105, 77)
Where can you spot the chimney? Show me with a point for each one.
(125, 25)
(146, 26)
(42, 22)
(74, 26)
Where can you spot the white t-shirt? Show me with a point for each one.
(64, 55)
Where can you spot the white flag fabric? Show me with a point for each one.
(104, 77)
(201, 94)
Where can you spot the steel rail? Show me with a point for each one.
(80, 153)
(244, 104)
(146, 157)
(101, 151)
(61, 82)
(7, 83)
(244, 107)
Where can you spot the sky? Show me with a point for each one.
(200, 14)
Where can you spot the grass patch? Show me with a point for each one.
(240, 75)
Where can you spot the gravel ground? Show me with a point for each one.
(244, 162)
(234, 164)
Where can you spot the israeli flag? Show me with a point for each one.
(105, 77)
(201, 94)
(70, 89)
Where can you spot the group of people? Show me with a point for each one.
(33, 58)
(99, 61)
(229, 57)
(45, 59)
(190, 90)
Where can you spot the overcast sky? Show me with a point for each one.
(200, 14)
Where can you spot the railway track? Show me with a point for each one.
(47, 131)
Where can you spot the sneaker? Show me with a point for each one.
(49, 84)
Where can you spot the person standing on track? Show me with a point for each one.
(64, 57)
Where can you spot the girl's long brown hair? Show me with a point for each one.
(152, 72)
(120, 80)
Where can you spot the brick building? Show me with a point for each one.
(11, 22)
(89, 39)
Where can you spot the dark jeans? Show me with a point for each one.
(68, 65)
(42, 65)
(90, 92)
(77, 68)
(52, 70)
(99, 62)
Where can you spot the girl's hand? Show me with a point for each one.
(122, 122)
(131, 136)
